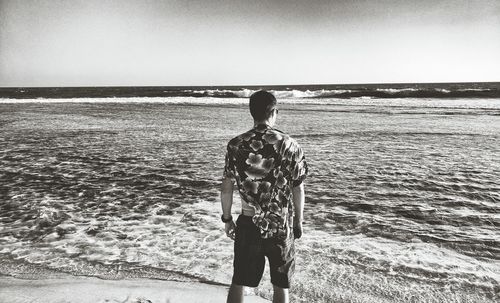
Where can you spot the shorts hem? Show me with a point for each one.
(279, 285)
(244, 284)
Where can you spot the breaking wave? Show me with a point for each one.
(382, 93)
(359, 91)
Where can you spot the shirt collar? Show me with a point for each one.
(262, 126)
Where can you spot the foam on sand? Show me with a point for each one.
(88, 289)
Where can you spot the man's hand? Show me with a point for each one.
(297, 230)
(230, 226)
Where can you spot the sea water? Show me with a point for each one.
(402, 197)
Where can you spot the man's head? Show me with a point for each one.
(262, 106)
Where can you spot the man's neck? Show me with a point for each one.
(266, 123)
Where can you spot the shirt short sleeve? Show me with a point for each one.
(300, 168)
(229, 166)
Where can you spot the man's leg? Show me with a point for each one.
(281, 255)
(249, 260)
(235, 294)
(280, 294)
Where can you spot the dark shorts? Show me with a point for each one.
(250, 250)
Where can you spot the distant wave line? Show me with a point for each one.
(386, 133)
(302, 92)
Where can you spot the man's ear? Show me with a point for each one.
(273, 114)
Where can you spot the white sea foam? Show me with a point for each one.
(396, 90)
(408, 103)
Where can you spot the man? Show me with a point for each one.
(269, 168)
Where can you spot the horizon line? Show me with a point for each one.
(254, 85)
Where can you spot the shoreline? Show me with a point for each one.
(82, 289)
(25, 282)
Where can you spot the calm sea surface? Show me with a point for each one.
(405, 190)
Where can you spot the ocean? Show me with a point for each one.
(402, 199)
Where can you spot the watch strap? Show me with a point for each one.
(226, 220)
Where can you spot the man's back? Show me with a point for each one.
(269, 168)
(266, 164)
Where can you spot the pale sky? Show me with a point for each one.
(235, 42)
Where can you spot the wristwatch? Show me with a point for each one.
(226, 220)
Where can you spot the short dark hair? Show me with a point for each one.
(261, 105)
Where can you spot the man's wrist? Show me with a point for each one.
(226, 219)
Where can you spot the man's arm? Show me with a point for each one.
(226, 199)
(298, 204)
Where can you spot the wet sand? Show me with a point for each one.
(89, 289)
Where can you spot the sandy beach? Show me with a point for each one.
(88, 289)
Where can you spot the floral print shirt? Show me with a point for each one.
(266, 163)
